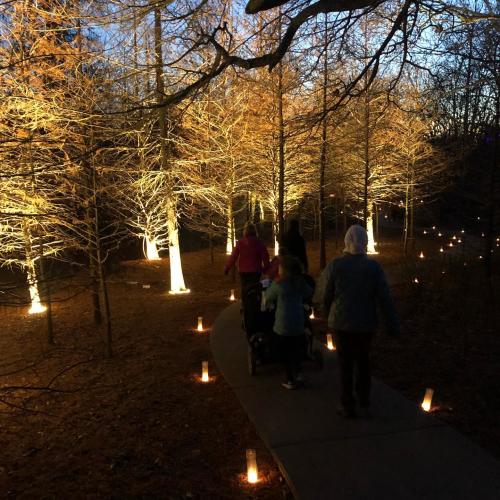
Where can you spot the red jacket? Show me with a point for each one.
(251, 254)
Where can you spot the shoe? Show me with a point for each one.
(289, 385)
(346, 412)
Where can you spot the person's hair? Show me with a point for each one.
(292, 269)
(250, 229)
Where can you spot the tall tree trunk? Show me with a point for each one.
(281, 147)
(322, 162)
(177, 284)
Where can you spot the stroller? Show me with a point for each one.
(258, 324)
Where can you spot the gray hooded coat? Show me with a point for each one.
(352, 288)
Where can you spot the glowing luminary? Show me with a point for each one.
(439, 234)
(434, 228)
(480, 257)
(459, 240)
(415, 280)
(311, 316)
(385, 217)
(204, 371)
(252, 471)
(441, 250)
(454, 237)
(36, 305)
(426, 403)
(425, 232)
(462, 231)
(200, 324)
(329, 342)
(482, 235)
(152, 250)
(450, 244)
(421, 255)
(231, 237)
(232, 297)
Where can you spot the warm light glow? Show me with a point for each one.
(425, 232)
(311, 316)
(441, 250)
(371, 239)
(200, 324)
(151, 249)
(176, 277)
(421, 255)
(36, 306)
(252, 471)
(204, 371)
(450, 244)
(230, 238)
(434, 227)
(416, 280)
(462, 231)
(276, 246)
(426, 403)
(454, 237)
(329, 342)
(439, 234)
(232, 297)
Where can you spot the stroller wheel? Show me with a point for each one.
(252, 365)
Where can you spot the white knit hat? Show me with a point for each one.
(356, 240)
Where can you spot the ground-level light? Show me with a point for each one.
(200, 324)
(252, 471)
(415, 280)
(426, 403)
(232, 297)
(311, 316)
(421, 255)
(204, 371)
(36, 305)
(441, 250)
(329, 342)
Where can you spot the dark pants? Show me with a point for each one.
(353, 350)
(250, 302)
(290, 348)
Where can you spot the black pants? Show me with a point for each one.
(291, 350)
(353, 350)
(250, 302)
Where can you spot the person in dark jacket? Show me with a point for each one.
(351, 288)
(288, 296)
(294, 243)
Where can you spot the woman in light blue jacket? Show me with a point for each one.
(288, 295)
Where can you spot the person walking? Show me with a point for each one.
(350, 290)
(295, 244)
(287, 296)
(252, 258)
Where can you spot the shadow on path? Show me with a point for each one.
(399, 454)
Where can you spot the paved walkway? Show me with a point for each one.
(400, 454)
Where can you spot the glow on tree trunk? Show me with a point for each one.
(36, 305)
(276, 246)
(231, 238)
(151, 249)
(371, 239)
(177, 284)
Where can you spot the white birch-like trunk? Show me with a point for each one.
(231, 236)
(36, 304)
(151, 248)
(177, 284)
(371, 248)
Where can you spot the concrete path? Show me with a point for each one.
(400, 454)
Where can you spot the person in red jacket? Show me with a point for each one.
(252, 257)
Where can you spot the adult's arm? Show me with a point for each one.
(264, 256)
(233, 257)
(325, 291)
